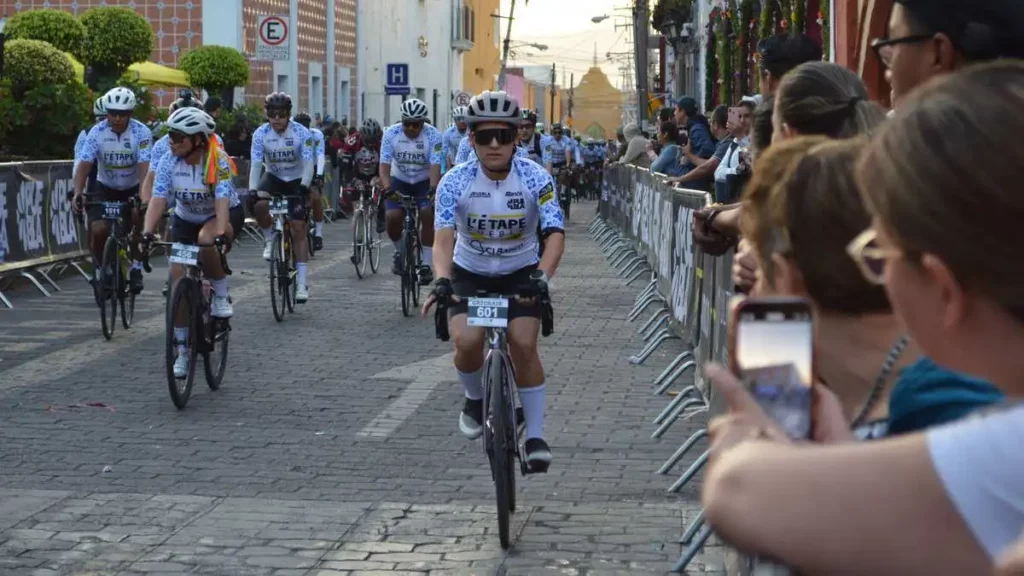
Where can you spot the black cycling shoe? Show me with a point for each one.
(135, 281)
(471, 419)
(318, 243)
(396, 264)
(538, 455)
(381, 226)
(426, 275)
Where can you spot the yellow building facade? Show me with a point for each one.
(597, 106)
(482, 62)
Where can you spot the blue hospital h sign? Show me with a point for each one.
(397, 79)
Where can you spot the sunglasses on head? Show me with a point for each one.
(278, 114)
(412, 124)
(504, 136)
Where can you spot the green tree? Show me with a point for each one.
(215, 68)
(31, 63)
(57, 27)
(42, 122)
(116, 39)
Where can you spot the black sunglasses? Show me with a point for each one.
(119, 113)
(278, 114)
(412, 123)
(504, 136)
(177, 137)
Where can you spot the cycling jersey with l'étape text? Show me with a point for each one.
(467, 152)
(496, 222)
(554, 152)
(411, 158)
(284, 154)
(185, 184)
(118, 156)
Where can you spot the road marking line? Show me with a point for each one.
(425, 376)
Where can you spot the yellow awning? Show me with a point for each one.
(145, 73)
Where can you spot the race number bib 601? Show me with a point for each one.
(184, 254)
(278, 206)
(488, 312)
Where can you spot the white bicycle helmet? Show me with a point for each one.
(459, 113)
(120, 98)
(414, 109)
(191, 121)
(494, 107)
(97, 108)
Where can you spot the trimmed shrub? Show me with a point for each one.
(57, 27)
(116, 38)
(43, 122)
(31, 63)
(215, 68)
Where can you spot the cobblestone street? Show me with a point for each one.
(332, 447)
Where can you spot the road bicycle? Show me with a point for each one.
(410, 254)
(283, 275)
(310, 224)
(561, 175)
(366, 240)
(111, 290)
(190, 299)
(503, 441)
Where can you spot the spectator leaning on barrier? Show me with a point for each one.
(800, 212)
(668, 160)
(635, 151)
(728, 184)
(697, 127)
(704, 168)
(949, 501)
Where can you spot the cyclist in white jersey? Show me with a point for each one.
(559, 149)
(316, 191)
(120, 147)
(487, 239)
(410, 163)
(98, 114)
(286, 149)
(453, 136)
(202, 208)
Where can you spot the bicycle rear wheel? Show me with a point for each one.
(277, 285)
(127, 304)
(359, 242)
(290, 275)
(372, 241)
(215, 353)
(404, 266)
(502, 451)
(181, 302)
(109, 287)
(417, 261)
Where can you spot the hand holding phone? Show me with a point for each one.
(772, 351)
(734, 118)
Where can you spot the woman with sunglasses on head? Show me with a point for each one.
(196, 174)
(497, 253)
(410, 163)
(286, 148)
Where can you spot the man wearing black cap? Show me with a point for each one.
(926, 38)
(781, 53)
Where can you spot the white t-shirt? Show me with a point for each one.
(980, 462)
(731, 161)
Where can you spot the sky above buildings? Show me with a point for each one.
(565, 27)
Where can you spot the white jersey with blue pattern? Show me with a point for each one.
(284, 154)
(118, 155)
(319, 151)
(495, 223)
(411, 158)
(451, 139)
(184, 184)
(160, 149)
(556, 149)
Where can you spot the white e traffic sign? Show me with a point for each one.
(272, 42)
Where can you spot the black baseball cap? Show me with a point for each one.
(980, 29)
(687, 104)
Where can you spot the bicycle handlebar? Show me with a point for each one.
(220, 251)
(547, 316)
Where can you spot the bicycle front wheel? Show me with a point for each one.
(181, 304)
(277, 283)
(215, 355)
(502, 451)
(290, 275)
(127, 304)
(372, 241)
(404, 260)
(110, 288)
(359, 242)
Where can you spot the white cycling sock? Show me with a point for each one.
(318, 229)
(533, 409)
(472, 384)
(301, 269)
(136, 265)
(220, 287)
(181, 337)
(428, 255)
(268, 233)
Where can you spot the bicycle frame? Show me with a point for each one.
(497, 351)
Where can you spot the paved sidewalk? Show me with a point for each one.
(332, 447)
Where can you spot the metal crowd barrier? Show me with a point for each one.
(643, 228)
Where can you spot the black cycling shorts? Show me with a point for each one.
(103, 193)
(466, 284)
(188, 233)
(289, 189)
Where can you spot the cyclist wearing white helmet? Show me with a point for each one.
(286, 148)
(162, 147)
(410, 164)
(488, 215)
(205, 208)
(316, 190)
(467, 153)
(454, 135)
(120, 147)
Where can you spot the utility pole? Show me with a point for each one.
(552, 112)
(504, 49)
(641, 36)
(572, 82)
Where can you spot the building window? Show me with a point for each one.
(472, 25)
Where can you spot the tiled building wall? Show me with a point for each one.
(345, 49)
(261, 79)
(312, 36)
(177, 24)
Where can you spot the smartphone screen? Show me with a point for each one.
(773, 355)
(734, 116)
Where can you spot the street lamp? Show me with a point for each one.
(541, 47)
(599, 19)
